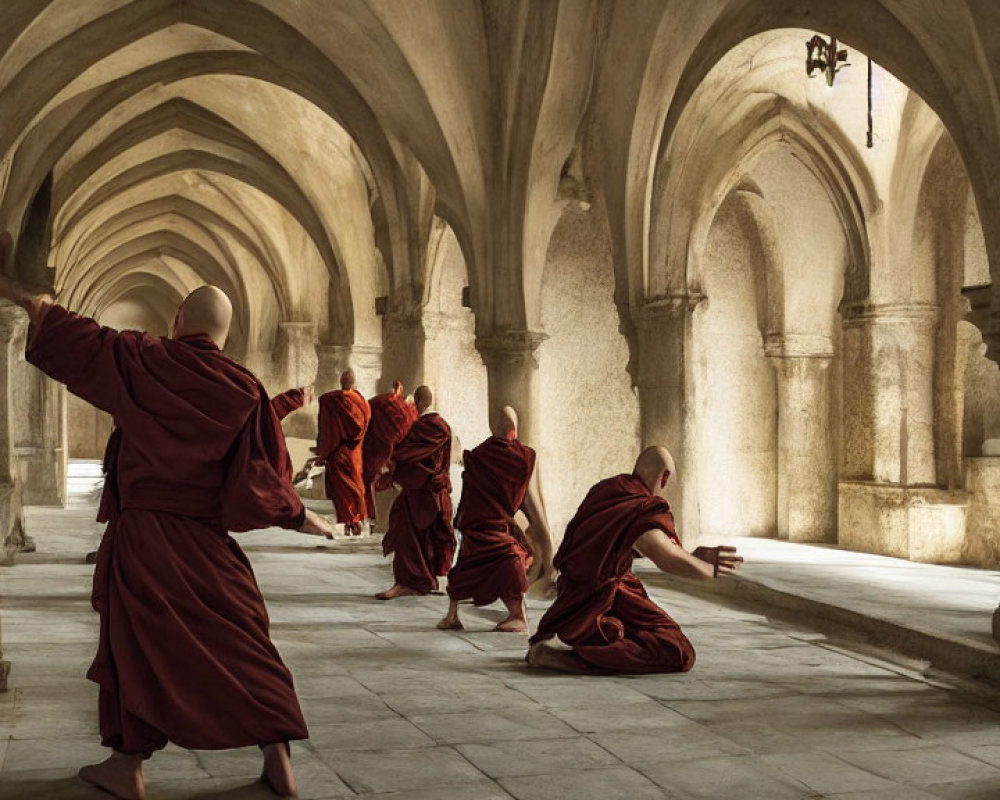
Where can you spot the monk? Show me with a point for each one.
(493, 559)
(391, 419)
(602, 610)
(343, 420)
(420, 533)
(184, 653)
(292, 400)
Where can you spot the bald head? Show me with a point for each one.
(505, 423)
(423, 398)
(206, 311)
(653, 466)
(347, 379)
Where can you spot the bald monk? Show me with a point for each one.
(391, 419)
(184, 653)
(420, 533)
(292, 400)
(343, 420)
(493, 559)
(602, 610)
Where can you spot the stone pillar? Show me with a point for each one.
(889, 393)
(42, 450)
(807, 474)
(296, 364)
(366, 361)
(512, 377)
(402, 350)
(13, 326)
(663, 378)
(331, 359)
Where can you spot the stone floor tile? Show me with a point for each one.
(826, 774)
(396, 770)
(474, 790)
(579, 692)
(600, 718)
(640, 749)
(392, 733)
(47, 784)
(974, 789)
(62, 753)
(426, 701)
(922, 766)
(591, 784)
(492, 726)
(732, 778)
(339, 710)
(537, 757)
(898, 793)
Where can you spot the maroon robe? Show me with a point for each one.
(492, 561)
(391, 419)
(184, 652)
(420, 532)
(602, 610)
(287, 402)
(343, 420)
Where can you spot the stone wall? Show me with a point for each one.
(589, 422)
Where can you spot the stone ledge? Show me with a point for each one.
(957, 654)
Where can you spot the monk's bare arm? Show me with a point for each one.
(705, 563)
(538, 532)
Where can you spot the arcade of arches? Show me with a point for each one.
(637, 222)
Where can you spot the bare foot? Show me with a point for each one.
(277, 774)
(513, 625)
(450, 623)
(544, 657)
(397, 590)
(120, 775)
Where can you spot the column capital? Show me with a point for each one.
(798, 345)
(13, 320)
(509, 347)
(666, 308)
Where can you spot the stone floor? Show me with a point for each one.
(397, 709)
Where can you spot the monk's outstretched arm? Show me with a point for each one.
(707, 562)
(538, 532)
(292, 400)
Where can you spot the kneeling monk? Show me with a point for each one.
(492, 561)
(602, 610)
(343, 421)
(420, 533)
(184, 653)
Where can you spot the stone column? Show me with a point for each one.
(296, 364)
(42, 453)
(807, 482)
(512, 377)
(889, 393)
(402, 350)
(13, 326)
(331, 359)
(366, 361)
(663, 379)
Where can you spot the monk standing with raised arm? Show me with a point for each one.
(420, 532)
(292, 400)
(184, 652)
(343, 420)
(493, 559)
(602, 610)
(392, 417)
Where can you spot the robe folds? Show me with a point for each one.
(602, 610)
(420, 533)
(287, 402)
(184, 652)
(391, 419)
(343, 420)
(492, 560)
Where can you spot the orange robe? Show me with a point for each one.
(392, 417)
(420, 532)
(184, 652)
(343, 421)
(602, 610)
(492, 561)
(287, 402)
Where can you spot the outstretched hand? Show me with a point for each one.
(722, 558)
(310, 394)
(315, 525)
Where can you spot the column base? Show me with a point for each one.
(917, 523)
